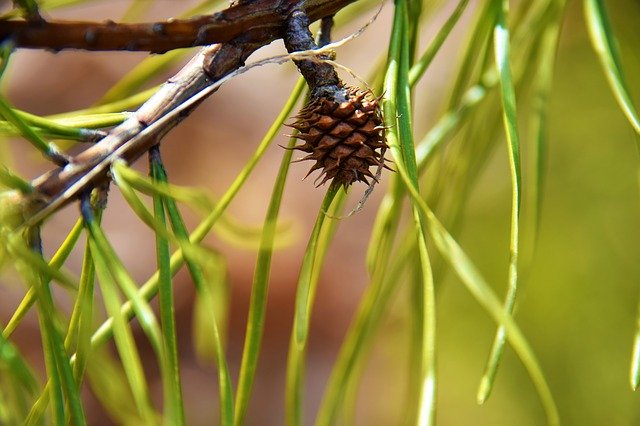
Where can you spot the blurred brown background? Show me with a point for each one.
(578, 308)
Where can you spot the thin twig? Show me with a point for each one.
(259, 21)
(326, 24)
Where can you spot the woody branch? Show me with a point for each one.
(138, 134)
(253, 21)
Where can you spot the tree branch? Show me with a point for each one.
(255, 21)
(144, 129)
(156, 117)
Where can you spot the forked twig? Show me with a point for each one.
(175, 100)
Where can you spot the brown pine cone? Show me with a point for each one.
(343, 132)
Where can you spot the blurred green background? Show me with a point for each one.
(579, 302)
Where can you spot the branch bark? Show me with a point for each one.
(253, 21)
(139, 133)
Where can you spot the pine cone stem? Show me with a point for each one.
(320, 76)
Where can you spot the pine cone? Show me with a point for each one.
(343, 132)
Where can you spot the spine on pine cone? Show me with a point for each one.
(341, 128)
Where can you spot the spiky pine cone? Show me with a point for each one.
(343, 133)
